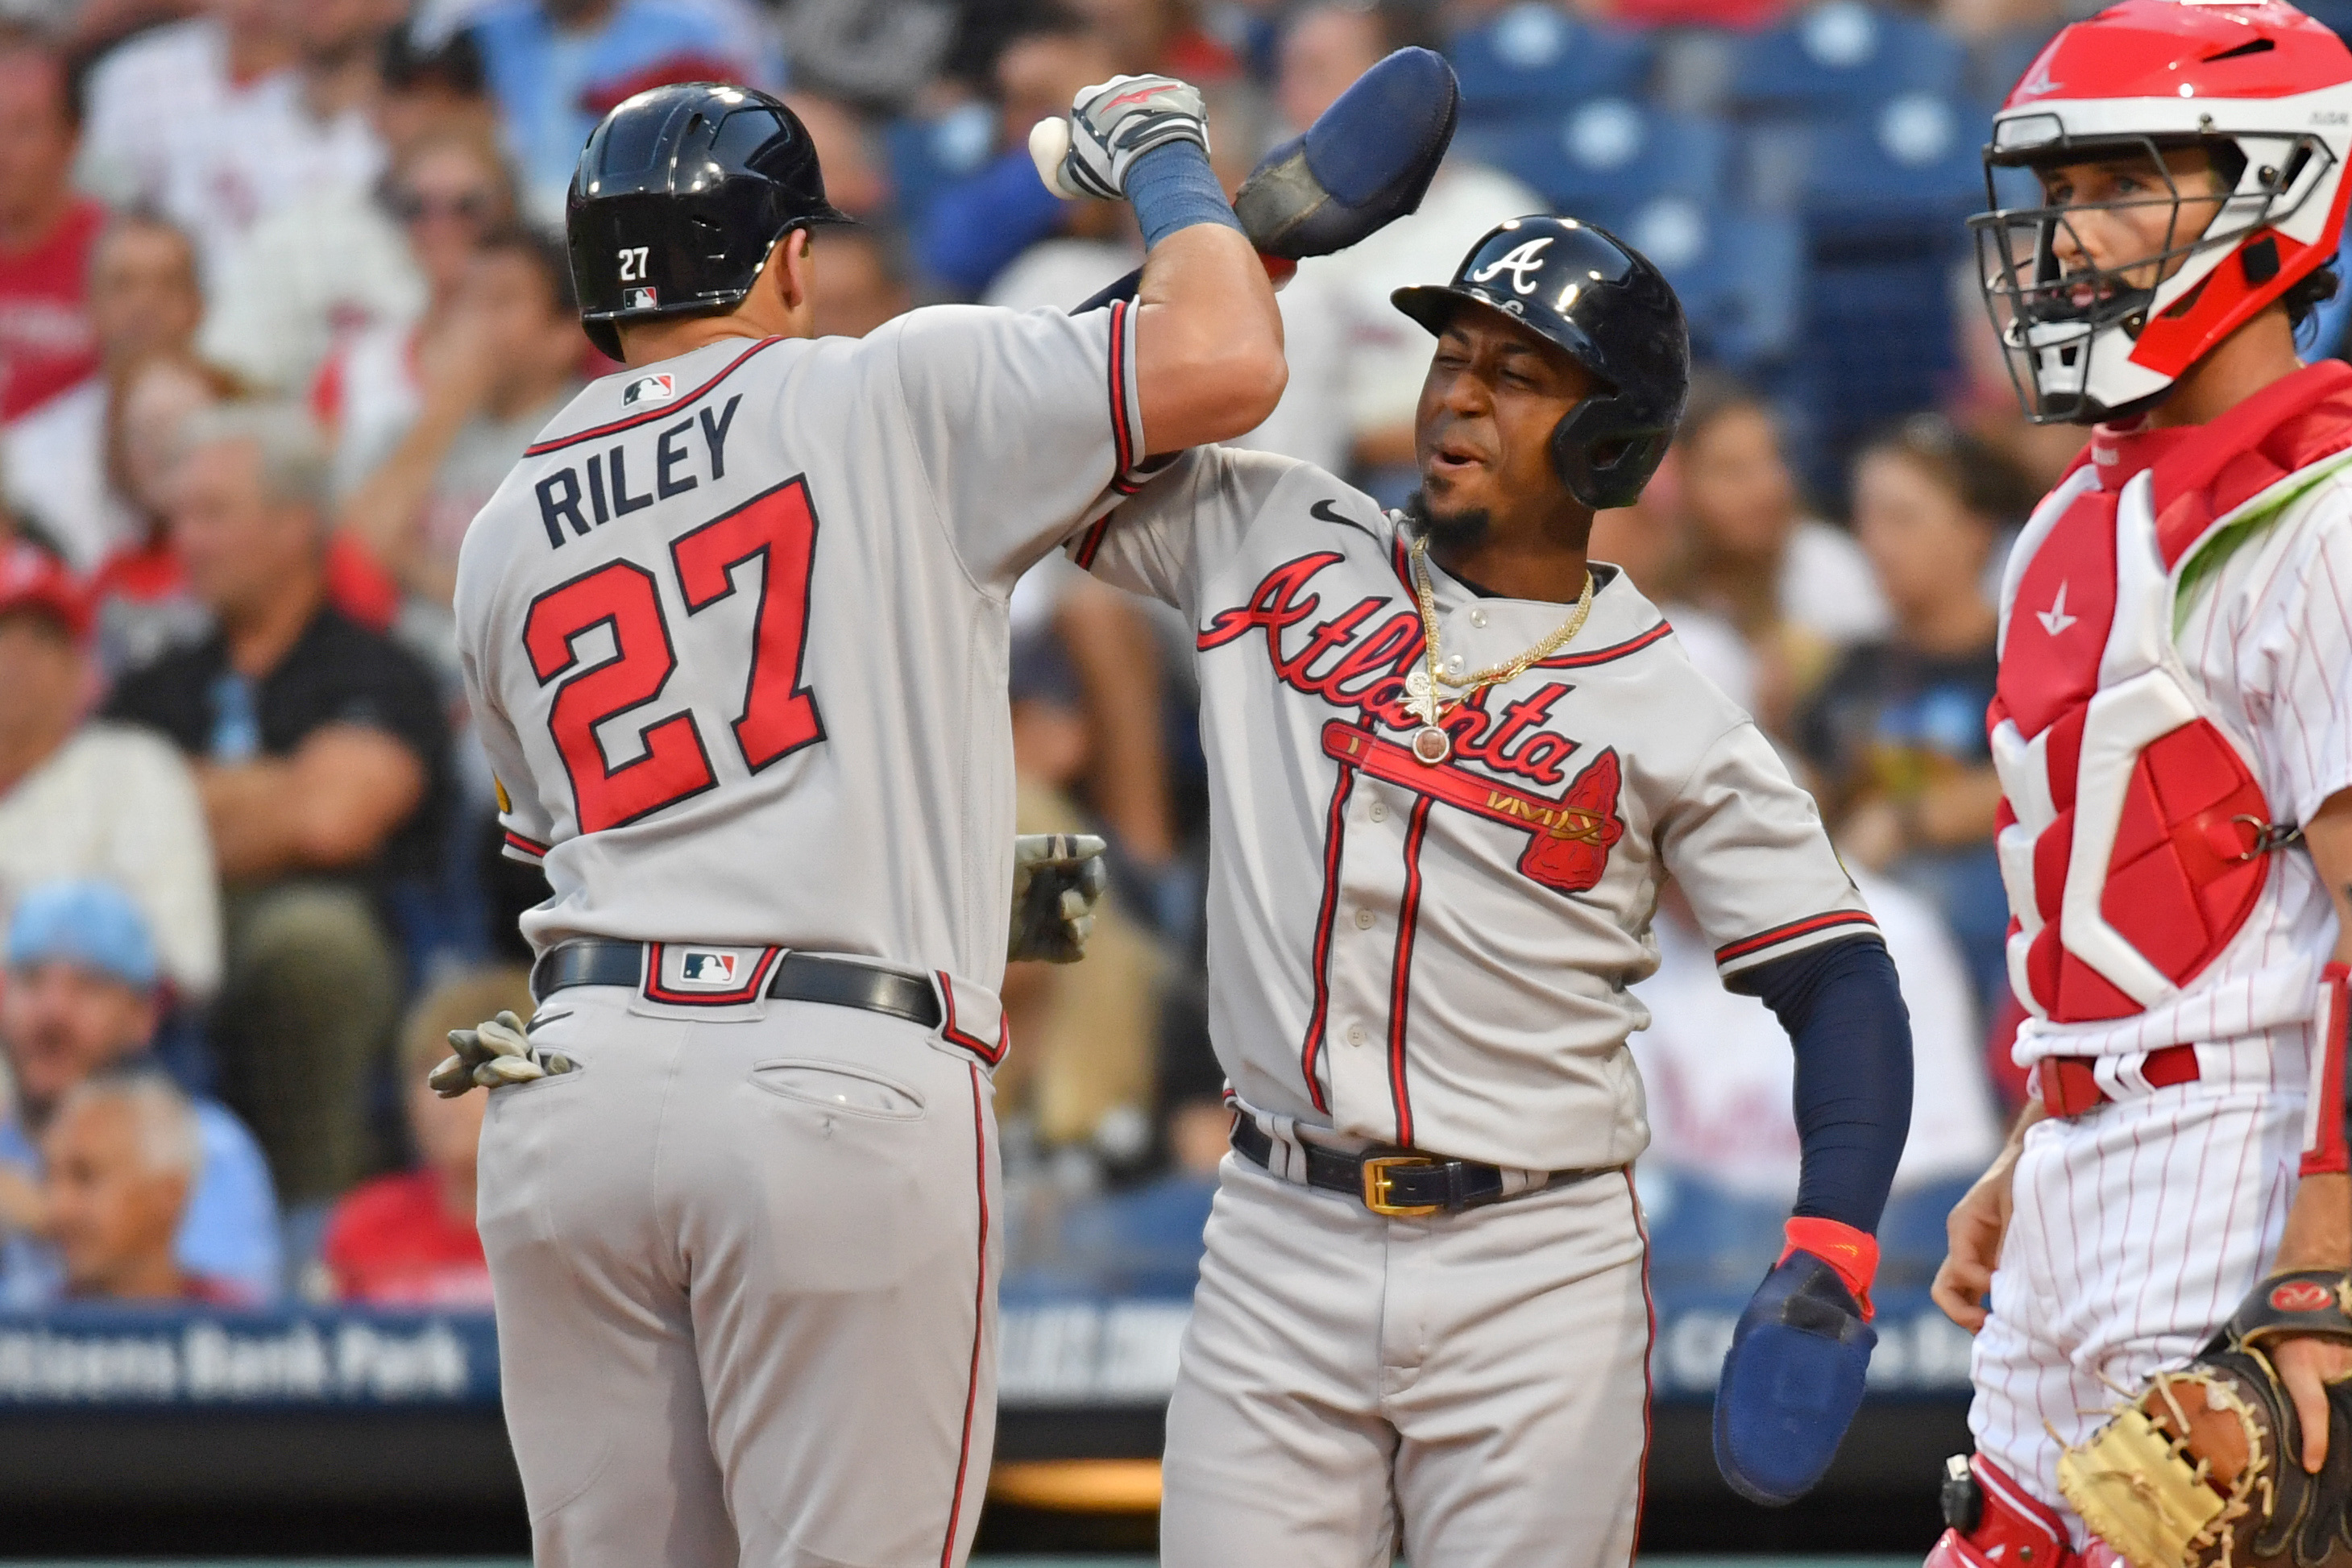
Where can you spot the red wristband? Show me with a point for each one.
(1279, 270)
(2323, 1152)
(1852, 1255)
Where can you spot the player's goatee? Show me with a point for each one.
(1450, 530)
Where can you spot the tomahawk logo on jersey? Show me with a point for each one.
(1445, 964)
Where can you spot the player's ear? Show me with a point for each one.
(793, 271)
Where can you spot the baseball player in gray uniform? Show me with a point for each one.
(734, 632)
(1452, 762)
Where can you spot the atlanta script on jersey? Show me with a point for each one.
(1438, 955)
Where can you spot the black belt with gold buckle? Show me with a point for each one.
(1399, 1183)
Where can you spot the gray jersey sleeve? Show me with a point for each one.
(1748, 848)
(1186, 520)
(1020, 420)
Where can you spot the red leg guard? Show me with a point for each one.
(2012, 1530)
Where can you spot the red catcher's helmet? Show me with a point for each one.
(2259, 83)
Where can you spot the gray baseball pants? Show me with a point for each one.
(746, 1279)
(1472, 1389)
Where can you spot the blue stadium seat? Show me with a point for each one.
(927, 155)
(2000, 62)
(1741, 278)
(1607, 158)
(1532, 60)
(1903, 169)
(1877, 343)
(1839, 55)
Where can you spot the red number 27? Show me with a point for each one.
(778, 528)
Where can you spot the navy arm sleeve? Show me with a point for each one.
(1851, 1034)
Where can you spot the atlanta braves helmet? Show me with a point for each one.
(1613, 313)
(2267, 92)
(681, 193)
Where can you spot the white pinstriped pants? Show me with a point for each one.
(2136, 1229)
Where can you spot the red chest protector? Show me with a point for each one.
(2133, 834)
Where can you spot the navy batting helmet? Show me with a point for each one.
(680, 194)
(1613, 313)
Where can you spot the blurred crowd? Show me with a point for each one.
(282, 295)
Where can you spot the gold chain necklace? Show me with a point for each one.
(1431, 743)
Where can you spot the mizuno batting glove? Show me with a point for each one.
(1057, 879)
(492, 1054)
(1109, 127)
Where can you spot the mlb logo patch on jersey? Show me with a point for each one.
(640, 299)
(649, 389)
(715, 971)
(694, 976)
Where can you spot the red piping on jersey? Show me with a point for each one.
(990, 1054)
(979, 1327)
(1400, 976)
(1649, 1351)
(537, 851)
(1396, 555)
(1092, 543)
(664, 411)
(656, 992)
(1123, 440)
(1335, 836)
(1603, 655)
(1790, 932)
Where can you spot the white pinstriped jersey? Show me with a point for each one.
(2264, 640)
(1438, 955)
(735, 633)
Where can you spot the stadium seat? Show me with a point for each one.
(1607, 157)
(2000, 62)
(1843, 54)
(927, 155)
(1740, 277)
(1907, 168)
(1876, 343)
(1532, 60)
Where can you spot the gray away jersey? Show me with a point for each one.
(1438, 956)
(734, 629)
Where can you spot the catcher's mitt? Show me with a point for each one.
(2204, 1469)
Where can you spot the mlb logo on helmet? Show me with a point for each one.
(649, 389)
(713, 970)
(640, 299)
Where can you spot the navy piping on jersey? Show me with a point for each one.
(1122, 438)
(662, 411)
(1748, 946)
(1400, 973)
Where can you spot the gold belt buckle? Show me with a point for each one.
(1377, 1185)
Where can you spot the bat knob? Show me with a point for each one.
(1049, 145)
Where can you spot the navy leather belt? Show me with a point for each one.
(799, 977)
(1397, 1183)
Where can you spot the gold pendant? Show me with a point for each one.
(1431, 745)
(1421, 697)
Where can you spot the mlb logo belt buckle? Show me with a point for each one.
(1379, 1183)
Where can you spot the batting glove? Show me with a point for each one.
(1057, 879)
(491, 1053)
(1109, 127)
